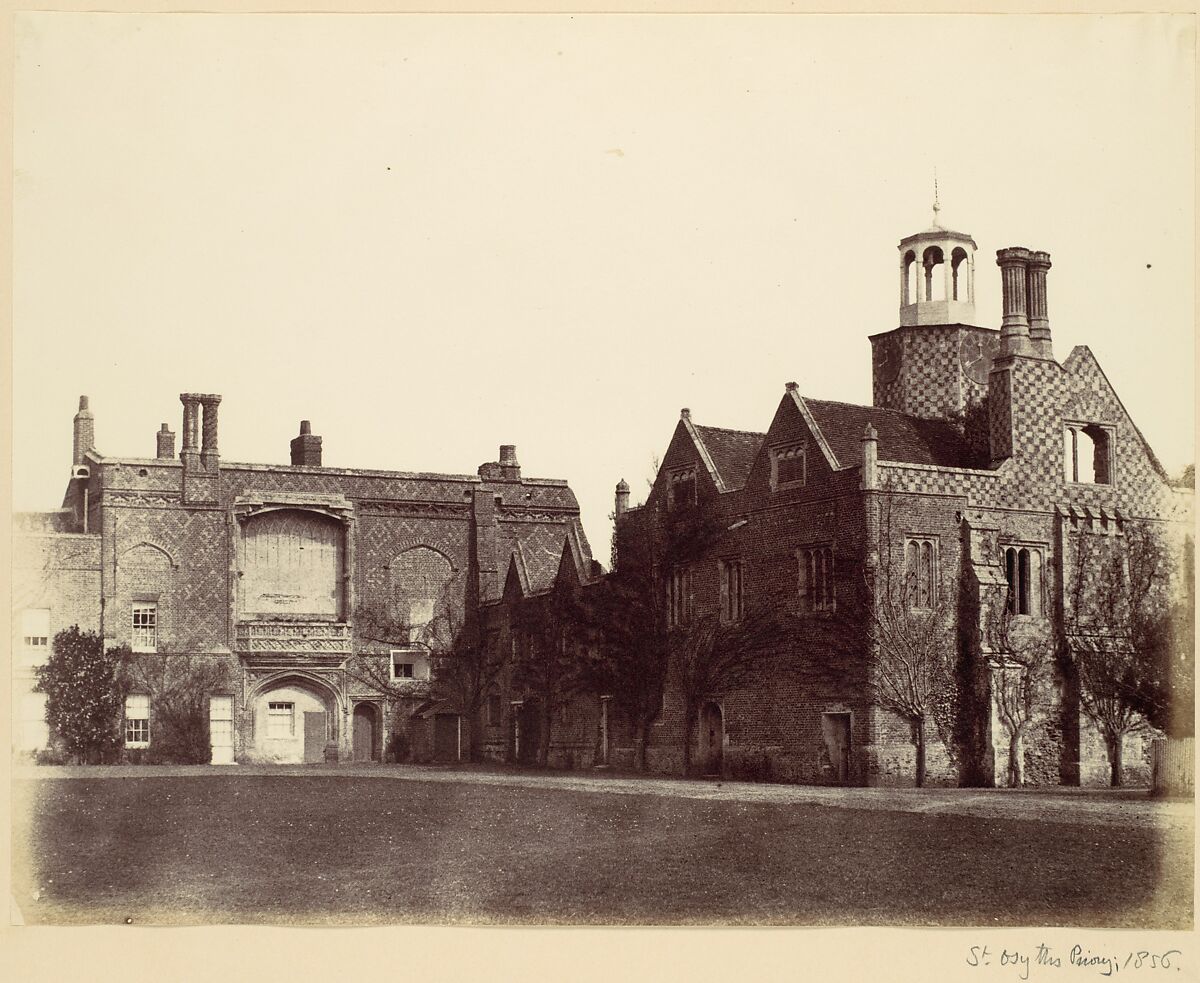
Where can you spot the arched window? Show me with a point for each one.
(816, 584)
(960, 278)
(910, 278)
(420, 578)
(920, 573)
(1023, 571)
(935, 281)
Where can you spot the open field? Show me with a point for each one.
(217, 846)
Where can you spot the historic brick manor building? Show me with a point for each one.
(988, 479)
(304, 590)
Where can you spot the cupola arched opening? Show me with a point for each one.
(908, 274)
(960, 274)
(935, 281)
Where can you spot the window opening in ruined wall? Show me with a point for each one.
(1087, 454)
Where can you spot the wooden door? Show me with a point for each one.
(314, 737)
(445, 737)
(531, 731)
(712, 739)
(365, 741)
(835, 728)
(220, 729)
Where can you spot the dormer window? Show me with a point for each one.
(789, 466)
(1087, 454)
(681, 488)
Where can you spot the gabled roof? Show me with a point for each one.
(1081, 354)
(901, 437)
(732, 452)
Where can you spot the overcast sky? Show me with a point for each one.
(433, 235)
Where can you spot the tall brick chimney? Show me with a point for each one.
(1039, 318)
(1014, 328)
(201, 462)
(84, 437)
(190, 449)
(509, 468)
(166, 443)
(306, 449)
(209, 456)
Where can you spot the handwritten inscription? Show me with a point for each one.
(1025, 962)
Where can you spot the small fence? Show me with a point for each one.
(1173, 765)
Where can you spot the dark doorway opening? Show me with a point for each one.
(366, 732)
(712, 739)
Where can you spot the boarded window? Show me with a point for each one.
(293, 562)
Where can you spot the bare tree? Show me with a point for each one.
(462, 669)
(1120, 619)
(624, 623)
(711, 659)
(909, 621)
(1021, 668)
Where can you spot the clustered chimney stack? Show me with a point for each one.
(1039, 319)
(306, 449)
(622, 501)
(166, 443)
(84, 434)
(1025, 329)
(1014, 328)
(194, 428)
(198, 453)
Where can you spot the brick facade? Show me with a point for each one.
(273, 573)
(875, 479)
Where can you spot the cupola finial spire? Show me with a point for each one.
(937, 207)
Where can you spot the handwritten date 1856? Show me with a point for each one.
(1044, 957)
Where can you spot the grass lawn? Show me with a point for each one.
(352, 850)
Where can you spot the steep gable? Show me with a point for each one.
(1093, 397)
(731, 452)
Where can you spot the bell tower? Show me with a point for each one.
(937, 276)
(936, 363)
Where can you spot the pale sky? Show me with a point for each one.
(433, 235)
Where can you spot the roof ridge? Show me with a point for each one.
(745, 433)
(877, 409)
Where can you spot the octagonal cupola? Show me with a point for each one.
(937, 276)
